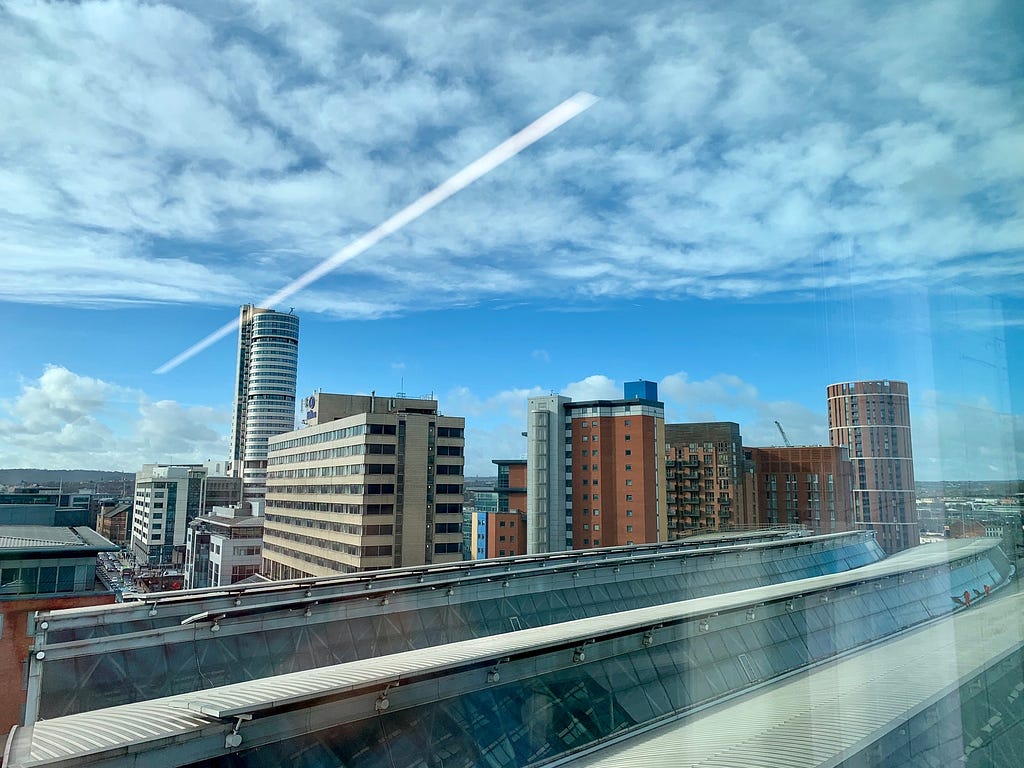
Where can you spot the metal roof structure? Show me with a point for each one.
(822, 716)
(182, 729)
(193, 640)
(48, 538)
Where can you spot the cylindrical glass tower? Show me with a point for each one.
(268, 349)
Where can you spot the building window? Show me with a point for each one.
(597, 512)
(629, 482)
(597, 527)
(628, 438)
(626, 422)
(629, 529)
(629, 467)
(629, 452)
(629, 497)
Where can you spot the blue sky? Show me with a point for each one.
(765, 200)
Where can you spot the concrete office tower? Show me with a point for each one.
(810, 486)
(167, 498)
(704, 476)
(872, 419)
(595, 471)
(368, 483)
(268, 353)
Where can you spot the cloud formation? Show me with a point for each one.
(184, 153)
(63, 420)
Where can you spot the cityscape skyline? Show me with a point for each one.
(761, 204)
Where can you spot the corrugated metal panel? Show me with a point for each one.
(73, 737)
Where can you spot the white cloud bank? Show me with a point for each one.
(64, 420)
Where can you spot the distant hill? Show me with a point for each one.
(57, 476)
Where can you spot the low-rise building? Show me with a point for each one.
(224, 547)
(41, 568)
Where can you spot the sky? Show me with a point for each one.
(766, 199)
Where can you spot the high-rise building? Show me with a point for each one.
(167, 499)
(810, 486)
(872, 419)
(268, 353)
(704, 477)
(368, 483)
(595, 471)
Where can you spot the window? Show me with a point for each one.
(629, 467)
(628, 438)
(629, 529)
(626, 422)
(629, 497)
(629, 482)
(629, 452)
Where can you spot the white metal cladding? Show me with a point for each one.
(132, 724)
(822, 716)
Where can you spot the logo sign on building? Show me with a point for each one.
(310, 404)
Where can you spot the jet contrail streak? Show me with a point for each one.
(512, 146)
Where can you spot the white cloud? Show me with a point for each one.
(64, 420)
(207, 153)
(596, 387)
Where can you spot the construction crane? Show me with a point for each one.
(783, 433)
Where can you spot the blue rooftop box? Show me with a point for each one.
(640, 390)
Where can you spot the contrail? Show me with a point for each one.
(512, 146)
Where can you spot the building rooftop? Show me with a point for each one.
(45, 538)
